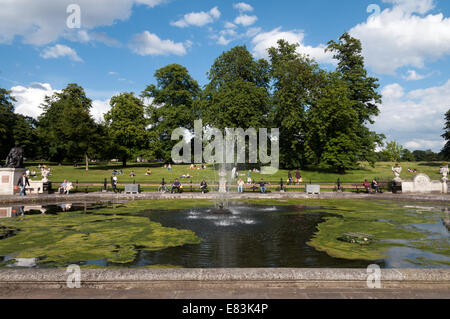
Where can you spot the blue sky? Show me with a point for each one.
(120, 44)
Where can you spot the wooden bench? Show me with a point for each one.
(359, 187)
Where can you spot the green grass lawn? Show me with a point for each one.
(97, 173)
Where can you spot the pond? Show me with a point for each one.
(257, 233)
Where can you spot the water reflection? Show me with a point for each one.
(252, 236)
(13, 211)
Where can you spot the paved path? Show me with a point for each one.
(257, 283)
(227, 293)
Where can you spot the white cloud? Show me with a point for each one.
(264, 41)
(414, 117)
(44, 21)
(152, 3)
(419, 6)
(29, 100)
(404, 36)
(85, 36)
(198, 19)
(420, 144)
(224, 37)
(229, 25)
(60, 50)
(147, 43)
(99, 108)
(243, 7)
(413, 76)
(245, 20)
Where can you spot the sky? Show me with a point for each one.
(114, 46)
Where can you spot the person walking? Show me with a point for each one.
(114, 183)
(297, 176)
(22, 183)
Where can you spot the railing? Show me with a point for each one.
(194, 187)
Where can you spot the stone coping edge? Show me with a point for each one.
(59, 275)
(234, 196)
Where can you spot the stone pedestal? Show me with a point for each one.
(132, 189)
(8, 179)
(422, 184)
(444, 181)
(36, 187)
(312, 189)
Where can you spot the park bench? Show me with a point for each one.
(361, 187)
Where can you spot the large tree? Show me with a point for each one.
(446, 150)
(237, 95)
(296, 79)
(332, 122)
(392, 152)
(126, 127)
(25, 135)
(66, 125)
(173, 105)
(362, 92)
(7, 122)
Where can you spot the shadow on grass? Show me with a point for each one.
(118, 166)
(432, 164)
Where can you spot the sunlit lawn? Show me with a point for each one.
(97, 173)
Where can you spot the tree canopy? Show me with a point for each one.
(126, 127)
(66, 125)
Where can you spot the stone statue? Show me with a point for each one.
(444, 171)
(397, 171)
(15, 158)
(45, 173)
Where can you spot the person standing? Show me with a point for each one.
(22, 183)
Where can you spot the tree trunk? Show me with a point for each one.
(87, 162)
(124, 162)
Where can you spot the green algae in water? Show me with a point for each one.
(388, 222)
(117, 234)
(71, 237)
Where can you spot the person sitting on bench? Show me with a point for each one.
(375, 185)
(204, 187)
(262, 186)
(62, 187)
(176, 186)
(366, 185)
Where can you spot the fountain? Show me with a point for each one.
(222, 198)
